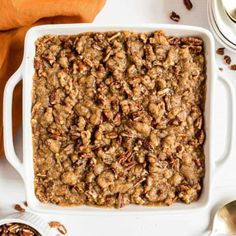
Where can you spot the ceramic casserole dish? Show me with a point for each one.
(26, 72)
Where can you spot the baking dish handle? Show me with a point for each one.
(7, 121)
(232, 129)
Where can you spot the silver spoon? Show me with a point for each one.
(230, 8)
(225, 220)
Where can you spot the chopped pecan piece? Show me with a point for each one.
(220, 51)
(227, 60)
(60, 227)
(188, 4)
(174, 16)
(233, 67)
(19, 208)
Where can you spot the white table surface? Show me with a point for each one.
(224, 188)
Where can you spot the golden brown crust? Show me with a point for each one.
(117, 119)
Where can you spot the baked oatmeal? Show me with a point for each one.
(117, 119)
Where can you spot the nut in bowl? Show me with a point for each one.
(103, 111)
(24, 224)
(17, 229)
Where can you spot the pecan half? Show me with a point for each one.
(146, 144)
(57, 225)
(227, 60)
(220, 51)
(174, 41)
(19, 208)
(232, 67)
(192, 41)
(124, 157)
(174, 16)
(188, 4)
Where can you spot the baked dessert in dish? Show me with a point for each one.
(117, 119)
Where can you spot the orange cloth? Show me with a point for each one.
(17, 16)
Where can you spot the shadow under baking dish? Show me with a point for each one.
(28, 72)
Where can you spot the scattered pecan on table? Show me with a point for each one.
(220, 51)
(227, 59)
(174, 16)
(188, 4)
(233, 67)
(19, 208)
(57, 225)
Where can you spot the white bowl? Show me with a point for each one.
(226, 26)
(26, 72)
(29, 219)
(214, 21)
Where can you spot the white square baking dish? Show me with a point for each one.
(26, 72)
